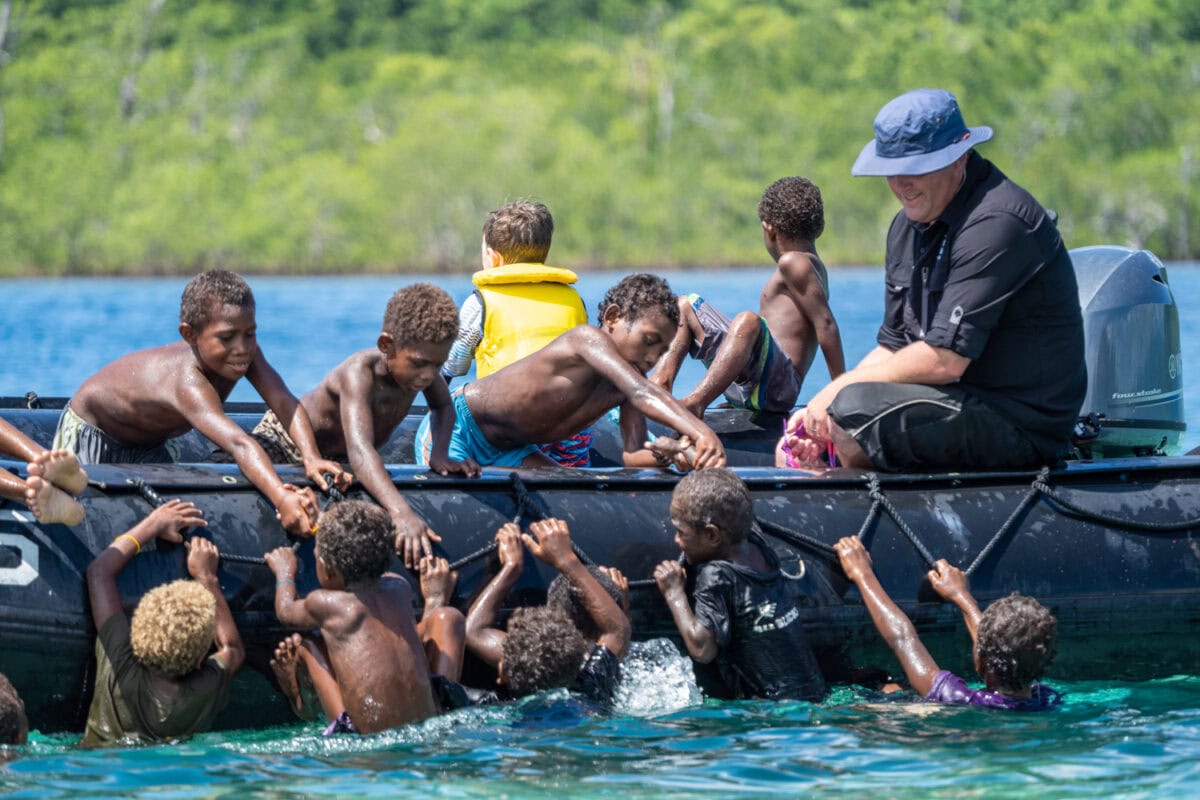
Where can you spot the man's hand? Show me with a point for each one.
(437, 582)
(798, 451)
(173, 517)
(509, 547)
(856, 561)
(616, 576)
(413, 538)
(282, 562)
(202, 558)
(670, 577)
(553, 542)
(444, 465)
(815, 415)
(316, 468)
(948, 581)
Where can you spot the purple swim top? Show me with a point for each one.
(950, 689)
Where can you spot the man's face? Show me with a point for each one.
(925, 197)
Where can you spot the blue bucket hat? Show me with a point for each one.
(918, 132)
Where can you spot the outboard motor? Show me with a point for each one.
(1134, 403)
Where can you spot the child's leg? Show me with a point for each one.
(294, 652)
(12, 487)
(47, 502)
(730, 362)
(16, 444)
(443, 633)
(690, 331)
(60, 467)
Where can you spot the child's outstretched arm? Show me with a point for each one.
(701, 643)
(203, 558)
(951, 583)
(291, 609)
(893, 624)
(165, 522)
(484, 639)
(553, 545)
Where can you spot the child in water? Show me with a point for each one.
(740, 616)
(1013, 641)
(369, 668)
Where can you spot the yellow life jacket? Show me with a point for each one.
(525, 307)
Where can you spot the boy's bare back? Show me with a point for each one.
(375, 653)
(360, 384)
(795, 305)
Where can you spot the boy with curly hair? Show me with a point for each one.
(740, 616)
(370, 669)
(127, 412)
(1012, 642)
(357, 406)
(155, 679)
(759, 360)
(543, 647)
(575, 379)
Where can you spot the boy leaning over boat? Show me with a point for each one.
(127, 412)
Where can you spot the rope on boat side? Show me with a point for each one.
(1026, 501)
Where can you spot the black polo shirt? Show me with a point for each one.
(991, 280)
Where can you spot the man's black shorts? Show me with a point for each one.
(908, 426)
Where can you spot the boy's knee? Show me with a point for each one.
(746, 322)
(447, 619)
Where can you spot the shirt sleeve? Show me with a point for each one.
(470, 333)
(950, 689)
(992, 259)
(713, 602)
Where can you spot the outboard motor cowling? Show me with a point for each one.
(1133, 354)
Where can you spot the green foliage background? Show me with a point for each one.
(328, 135)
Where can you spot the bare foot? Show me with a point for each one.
(61, 468)
(51, 504)
(287, 667)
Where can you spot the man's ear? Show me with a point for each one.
(189, 335)
(386, 344)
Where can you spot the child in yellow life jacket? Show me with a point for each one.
(519, 305)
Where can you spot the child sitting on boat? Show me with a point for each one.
(155, 679)
(14, 725)
(369, 667)
(568, 384)
(358, 405)
(543, 647)
(1013, 641)
(740, 616)
(127, 412)
(759, 360)
(54, 475)
(520, 304)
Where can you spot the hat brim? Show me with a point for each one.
(870, 164)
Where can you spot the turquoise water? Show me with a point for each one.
(1139, 739)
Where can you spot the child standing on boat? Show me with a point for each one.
(571, 382)
(759, 360)
(155, 679)
(520, 304)
(127, 412)
(54, 475)
(358, 405)
(369, 668)
(1012, 642)
(740, 616)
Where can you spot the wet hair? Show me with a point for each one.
(717, 497)
(565, 595)
(1018, 638)
(214, 288)
(520, 232)
(793, 206)
(173, 626)
(543, 650)
(357, 539)
(638, 295)
(421, 313)
(13, 724)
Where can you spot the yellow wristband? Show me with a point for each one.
(131, 538)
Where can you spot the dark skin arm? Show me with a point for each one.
(437, 582)
(893, 624)
(441, 426)
(951, 584)
(292, 610)
(701, 643)
(810, 297)
(202, 562)
(484, 639)
(553, 545)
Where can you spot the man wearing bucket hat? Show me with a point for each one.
(979, 362)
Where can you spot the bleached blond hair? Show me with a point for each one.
(173, 626)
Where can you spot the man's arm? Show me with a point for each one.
(951, 584)
(167, 521)
(893, 624)
(484, 639)
(202, 562)
(701, 643)
(553, 545)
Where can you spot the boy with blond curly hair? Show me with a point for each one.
(155, 679)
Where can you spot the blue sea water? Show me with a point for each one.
(1127, 739)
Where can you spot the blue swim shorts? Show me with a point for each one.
(468, 441)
